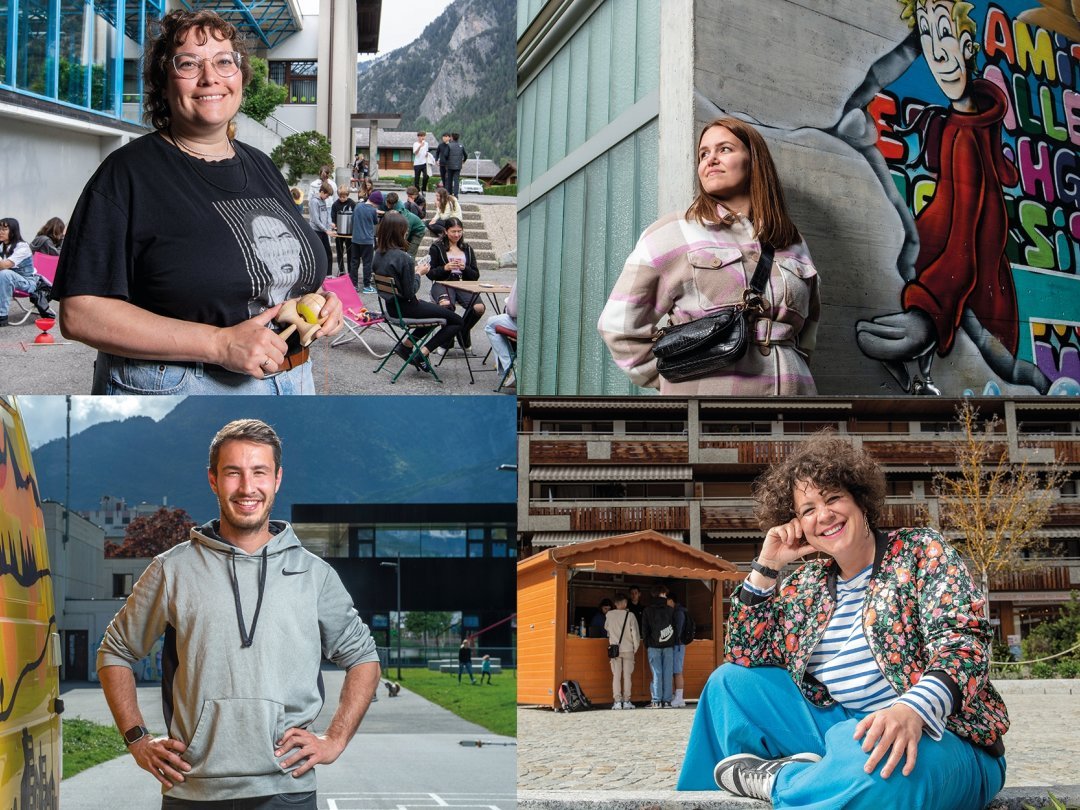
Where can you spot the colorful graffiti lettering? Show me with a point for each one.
(993, 183)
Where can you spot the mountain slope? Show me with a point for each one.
(457, 76)
(335, 450)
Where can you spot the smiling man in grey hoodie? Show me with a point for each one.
(248, 615)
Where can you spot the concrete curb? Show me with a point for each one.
(1008, 799)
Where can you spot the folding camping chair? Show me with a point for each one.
(511, 338)
(418, 331)
(353, 310)
(44, 266)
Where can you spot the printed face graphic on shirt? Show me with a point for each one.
(276, 246)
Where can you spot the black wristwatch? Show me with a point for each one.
(134, 734)
(765, 571)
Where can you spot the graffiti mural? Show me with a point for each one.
(978, 128)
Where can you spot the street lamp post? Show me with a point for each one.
(397, 570)
(477, 153)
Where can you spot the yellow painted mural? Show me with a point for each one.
(29, 644)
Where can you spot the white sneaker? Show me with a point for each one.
(753, 777)
(628, 705)
(616, 706)
(677, 703)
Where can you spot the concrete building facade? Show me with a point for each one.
(591, 468)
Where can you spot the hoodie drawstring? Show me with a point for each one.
(245, 637)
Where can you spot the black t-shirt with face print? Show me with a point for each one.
(210, 242)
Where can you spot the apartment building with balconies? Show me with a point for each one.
(591, 468)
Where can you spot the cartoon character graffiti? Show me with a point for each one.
(963, 279)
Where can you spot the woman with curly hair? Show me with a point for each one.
(161, 272)
(866, 663)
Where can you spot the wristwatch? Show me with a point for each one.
(134, 734)
(765, 571)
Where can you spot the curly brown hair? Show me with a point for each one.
(828, 462)
(163, 37)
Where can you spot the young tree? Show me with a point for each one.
(424, 622)
(261, 96)
(304, 153)
(150, 535)
(992, 505)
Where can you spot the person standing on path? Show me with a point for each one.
(454, 161)
(658, 631)
(239, 693)
(442, 155)
(464, 658)
(622, 629)
(419, 159)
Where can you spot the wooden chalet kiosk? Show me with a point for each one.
(559, 587)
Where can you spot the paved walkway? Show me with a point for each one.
(67, 368)
(409, 753)
(632, 759)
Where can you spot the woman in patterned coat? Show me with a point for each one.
(860, 680)
(687, 265)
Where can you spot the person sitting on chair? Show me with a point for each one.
(17, 271)
(392, 259)
(452, 259)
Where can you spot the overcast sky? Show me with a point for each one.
(401, 22)
(46, 417)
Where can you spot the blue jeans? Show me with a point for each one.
(122, 375)
(500, 344)
(760, 711)
(11, 280)
(661, 660)
(464, 666)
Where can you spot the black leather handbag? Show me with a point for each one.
(689, 351)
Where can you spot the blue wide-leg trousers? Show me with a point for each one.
(760, 711)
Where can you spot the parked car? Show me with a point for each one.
(30, 654)
(470, 185)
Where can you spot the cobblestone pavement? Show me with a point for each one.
(643, 749)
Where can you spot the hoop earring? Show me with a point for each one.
(866, 524)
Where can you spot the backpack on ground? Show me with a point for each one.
(688, 628)
(571, 698)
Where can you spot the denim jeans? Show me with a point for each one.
(122, 375)
(11, 280)
(500, 344)
(660, 662)
(760, 711)
(282, 801)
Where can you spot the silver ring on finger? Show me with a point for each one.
(267, 362)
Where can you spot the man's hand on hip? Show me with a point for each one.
(161, 757)
(314, 749)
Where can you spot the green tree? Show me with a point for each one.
(1058, 635)
(149, 535)
(423, 623)
(304, 153)
(261, 96)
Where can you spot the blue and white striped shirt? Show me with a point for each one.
(844, 664)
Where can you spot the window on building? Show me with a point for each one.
(726, 489)
(122, 584)
(737, 428)
(879, 426)
(800, 427)
(899, 489)
(1030, 428)
(577, 427)
(677, 428)
(299, 78)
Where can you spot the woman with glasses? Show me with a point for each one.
(163, 270)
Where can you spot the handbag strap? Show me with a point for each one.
(626, 618)
(764, 267)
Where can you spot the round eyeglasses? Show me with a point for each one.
(188, 65)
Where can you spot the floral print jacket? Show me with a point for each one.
(922, 614)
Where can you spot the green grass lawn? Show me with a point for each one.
(87, 744)
(492, 706)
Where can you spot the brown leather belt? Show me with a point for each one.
(295, 359)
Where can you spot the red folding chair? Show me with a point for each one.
(44, 266)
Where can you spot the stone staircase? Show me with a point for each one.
(475, 234)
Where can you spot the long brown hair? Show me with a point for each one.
(768, 211)
(390, 234)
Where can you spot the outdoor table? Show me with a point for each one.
(478, 288)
